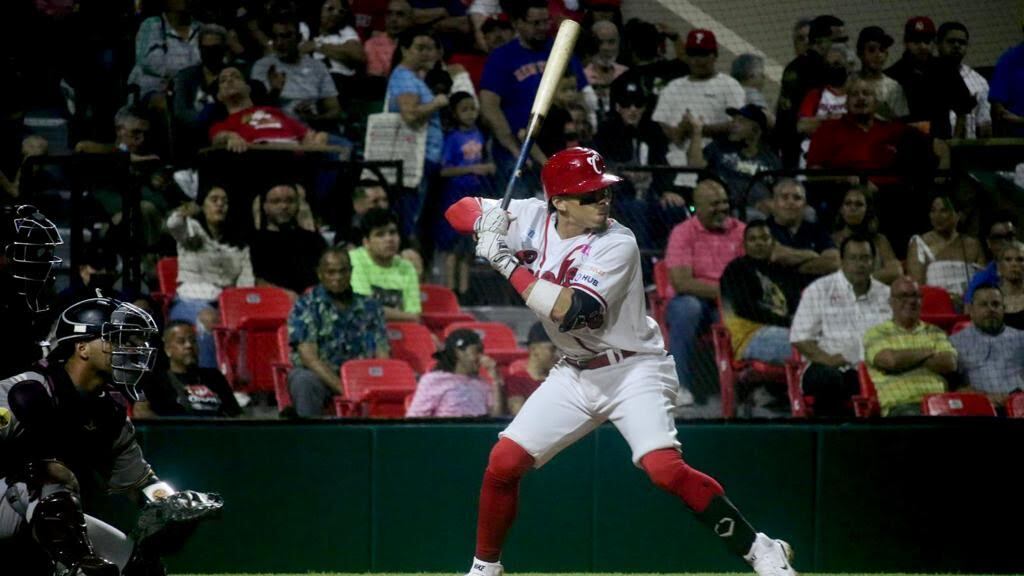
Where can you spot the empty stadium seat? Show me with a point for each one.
(866, 403)
(937, 308)
(518, 366)
(280, 368)
(413, 343)
(499, 340)
(247, 337)
(375, 388)
(657, 302)
(167, 280)
(959, 326)
(732, 371)
(441, 308)
(957, 404)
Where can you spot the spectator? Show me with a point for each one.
(943, 256)
(829, 325)
(803, 73)
(737, 159)
(378, 270)
(702, 96)
(801, 36)
(369, 17)
(873, 50)
(698, 251)
(184, 389)
(366, 195)
(1007, 92)
(907, 358)
(97, 270)
(561, 128)
(380, 48)
(195, 87)
(1011, 282)
(933, 85)
(824, 103)
(990, 354)
(952, 42)
(164, 45)
(604, 68)
(250, 124)
(283, 254)
(338, 45)
(543, 357)
(510, 81)
(800, 244)
(454, 388)
(857, 216)
(496, 32)
(327, 327)
(1001, 233)
(644, 43)
(759, 298)
(748, 70)
(466, 173)
(212, 256)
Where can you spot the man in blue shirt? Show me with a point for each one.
(510, 81)
(1001, 232)
(1006, 92)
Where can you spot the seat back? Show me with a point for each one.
(959, 326)
(167, 275)
(379, 387)
(866, 403)
(662, 281)
(957, 404)
(436, 298)
(1015, 406)
(413, 343)
(935, 300)
(252, 318)
(495, 335)
(280, 369)
(519, 366)
(249, 306)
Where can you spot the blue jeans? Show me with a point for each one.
(687, 317)
(769, 344)
(187, 310)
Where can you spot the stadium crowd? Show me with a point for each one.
(854, 251)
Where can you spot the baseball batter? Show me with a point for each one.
(579, 271)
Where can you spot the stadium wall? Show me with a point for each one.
(914, 497)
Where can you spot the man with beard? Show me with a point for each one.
(952, 43)
(283, 254)
(990, 353)
(195, 87)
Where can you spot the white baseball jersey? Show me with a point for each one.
(604, 265)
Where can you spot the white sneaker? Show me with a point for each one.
(481, 568)
(770, 557)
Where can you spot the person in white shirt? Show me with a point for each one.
(828, 329)
(704, 94)
(952, 43)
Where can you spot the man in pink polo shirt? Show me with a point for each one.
(698, 251)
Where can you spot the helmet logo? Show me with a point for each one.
(593, 158)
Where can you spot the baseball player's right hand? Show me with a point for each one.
(494, 219)
(491, 246)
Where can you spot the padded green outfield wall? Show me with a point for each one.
(923, 497)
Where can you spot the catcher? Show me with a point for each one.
(60, 423)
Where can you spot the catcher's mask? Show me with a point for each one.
(128, 330)
(29, 241)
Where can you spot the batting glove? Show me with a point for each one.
(492, 247)
(494, 219)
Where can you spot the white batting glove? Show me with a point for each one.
(491, 246)
(494, 219)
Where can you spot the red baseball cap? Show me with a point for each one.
(919, 29)
(701, 39)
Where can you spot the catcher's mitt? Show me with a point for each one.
(174, 514)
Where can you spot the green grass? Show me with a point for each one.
(559, 574)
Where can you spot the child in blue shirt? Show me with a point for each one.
(465, 173)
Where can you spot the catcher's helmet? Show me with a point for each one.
(28, 241)
(575, 171)
(125, 326)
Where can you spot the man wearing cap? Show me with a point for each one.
(933, 85)
(803, 73)
(543, 357)
(953, 38)
(873, 50)
(737, 159)
(702, 96)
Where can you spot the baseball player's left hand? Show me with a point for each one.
(494, 219)
(491, 246)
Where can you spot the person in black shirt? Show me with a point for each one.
(184, 389)
(283, 254)
(801, 245)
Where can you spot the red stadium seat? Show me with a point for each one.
(247, 337)
(1015, 406)
(799, 405)
(937, 308)
(732, 371)
(959, 326)
(413, 343)
(657, 301)
(957, 404)
(375, 388)
(866, 405)
(441, 308)
(167, 279)
(499, 340)
(280, 369)
(518, 366)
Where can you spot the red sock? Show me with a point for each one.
(668, 471)
(499, 497)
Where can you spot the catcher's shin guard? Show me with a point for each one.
(58, 525)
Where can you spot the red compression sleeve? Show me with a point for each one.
(463, 214)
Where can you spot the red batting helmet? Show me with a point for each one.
(575, 171)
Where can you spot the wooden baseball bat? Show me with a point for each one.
(554, 69)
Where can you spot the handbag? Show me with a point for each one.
(388, 137)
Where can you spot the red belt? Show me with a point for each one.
(598, 361)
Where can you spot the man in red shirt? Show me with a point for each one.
(250, 124)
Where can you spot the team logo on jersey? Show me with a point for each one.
(5, 417)
(527, 256)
